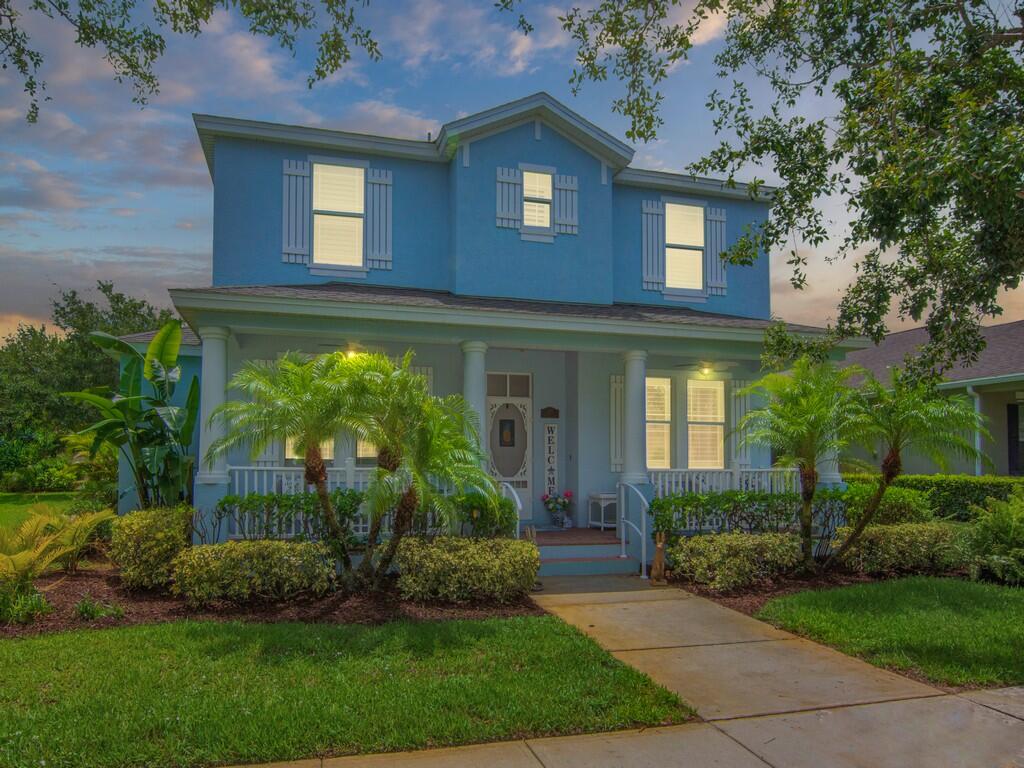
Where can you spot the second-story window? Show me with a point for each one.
(338, 211)
(537, 200)
(684, 246)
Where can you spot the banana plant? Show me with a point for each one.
(140, 421)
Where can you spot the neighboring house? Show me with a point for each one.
(995, 383)
(579, 304)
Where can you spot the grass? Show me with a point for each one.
(15, 507)
(952, 632)
(195, 693)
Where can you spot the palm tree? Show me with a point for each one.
(909, 415)
(298, 399)
(810, 414)
(427, 447)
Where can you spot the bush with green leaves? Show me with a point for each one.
(144, 544)
(722, 511)
(22, 607)
(253, 571)
(729, 561)
(479, 515)
(953, 496)
(917, 548)
(460, 570)
(997, 539)
(90, 609)
(899, 505)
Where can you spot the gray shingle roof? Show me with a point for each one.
(1003, 354)
(188, 338)
(415, 297)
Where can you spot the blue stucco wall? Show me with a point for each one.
(749, 288)
(247, 218)
(494, 261)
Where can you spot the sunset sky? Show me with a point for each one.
(101, 189)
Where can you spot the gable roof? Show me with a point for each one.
(1003, 356)
(543, 106)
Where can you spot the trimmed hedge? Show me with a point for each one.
(917, 548)
(458, 570)
(899, 505)
(997, 540)
(144, 544)
(252, 571)
(479, 515)
(728, 561)
(952, 496)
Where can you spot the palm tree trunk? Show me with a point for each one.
(316, 475)
(892, 465)
(404, 513)
(808, 487)
(390, 462)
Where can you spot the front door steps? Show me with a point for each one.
(582, 552)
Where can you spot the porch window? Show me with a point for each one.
(659, 423)
(338, 212)
(292, 454)
(684, 246)
(705, 416)
(366, 453)
(537, 200)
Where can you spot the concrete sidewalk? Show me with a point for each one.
(769, 699)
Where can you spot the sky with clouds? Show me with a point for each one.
(101, 189)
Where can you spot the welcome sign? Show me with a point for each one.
(551, 459)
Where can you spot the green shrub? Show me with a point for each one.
(997, 539)
(144, 544)
(722, 511)
(88, 609)
(252, 571)
(936, 547)
(479, 515)
(22, 607)
(277, 515)
(899, 505)
(953, 496)
(458, 570)
(728, 561)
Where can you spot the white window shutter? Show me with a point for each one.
(714, 238)
(510, 197)
(273, 454)
(296, 212)
(653, 244)
(566, 205)
(740, 405)
(426, 372)
(378, 218)
(616, 421)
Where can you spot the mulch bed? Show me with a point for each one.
(103, 584)
(752, 599)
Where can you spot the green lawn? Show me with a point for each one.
(15, 507)
(197, 693)
(953, 632)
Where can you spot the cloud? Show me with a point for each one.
(379, 117)
(32, 277)
(30, 185)
(710, 29)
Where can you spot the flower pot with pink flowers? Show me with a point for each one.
(557, 505)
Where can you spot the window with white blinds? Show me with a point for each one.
(338, 212)
(291, 452)
(705, 428)
(366, 453)
(684, 246)
(537, 200)
(659, 423)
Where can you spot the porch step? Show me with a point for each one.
(588, 566)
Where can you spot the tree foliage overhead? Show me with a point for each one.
(132, 37)
(917, 126)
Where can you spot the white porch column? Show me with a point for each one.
(828, 471)
(634, 459)
(213, 389)
(474, 382)
(979, 470)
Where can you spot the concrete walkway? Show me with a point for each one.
(768, 698)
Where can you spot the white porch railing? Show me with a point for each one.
(773, 480)
(625, 489)
(245, 480)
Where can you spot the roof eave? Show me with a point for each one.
(681, 182)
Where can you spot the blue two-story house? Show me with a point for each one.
(579, 304)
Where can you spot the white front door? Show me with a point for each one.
(508, 433)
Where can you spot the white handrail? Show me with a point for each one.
(641, 530)
(515, 500)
